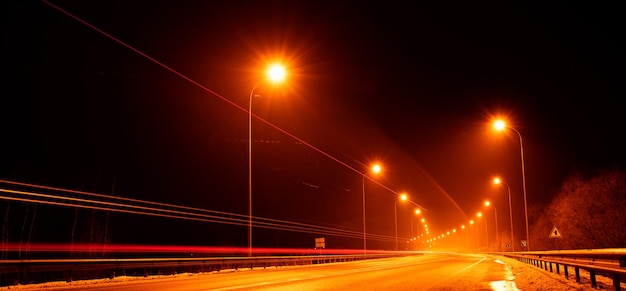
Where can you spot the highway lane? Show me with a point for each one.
(426, 272)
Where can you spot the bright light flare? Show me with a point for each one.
(276, 73)
(376, 168)
(497, 181)
(499, 125)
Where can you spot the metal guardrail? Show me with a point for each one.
(607, 262)
(13, 272)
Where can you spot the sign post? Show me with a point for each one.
(320, 243)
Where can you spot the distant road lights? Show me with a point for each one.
(276, 73)
(499, 181)
(402, 197)
(375, 169)
(500, 125)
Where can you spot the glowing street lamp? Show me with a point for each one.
(501, 125)
(375, 169)
(275, 73)
(498, 181)
(402, 197)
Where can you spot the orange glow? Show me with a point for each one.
(487, 203)
(479, 214)
(471, 222)
(403, 197)
(417, 211)
(497, 181)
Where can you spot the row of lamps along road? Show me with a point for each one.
(277, 73)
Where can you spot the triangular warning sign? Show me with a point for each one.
(555, 233)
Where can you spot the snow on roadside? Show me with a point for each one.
(529, 277)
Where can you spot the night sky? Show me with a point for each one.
(150, 103)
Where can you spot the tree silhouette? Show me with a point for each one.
(588, 212)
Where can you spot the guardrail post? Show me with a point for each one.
(558, 270)
(550, 267)
(592, 275)
(566, 271)
(577, 272)
(617, 282)
(69, 277)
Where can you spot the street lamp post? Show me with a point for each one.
(500, 125)
(466, 238)
(499, 181)
(276, 73)
(471, 222)
(417, 212)
(395, 215)
(486, 232)
(376, 168)
(495, 214)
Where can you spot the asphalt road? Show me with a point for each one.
(427, 272)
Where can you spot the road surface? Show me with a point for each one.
(420, 272)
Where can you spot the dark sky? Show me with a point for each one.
(151, 105)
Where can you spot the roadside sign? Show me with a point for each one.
(319, 242)
(555, 233)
